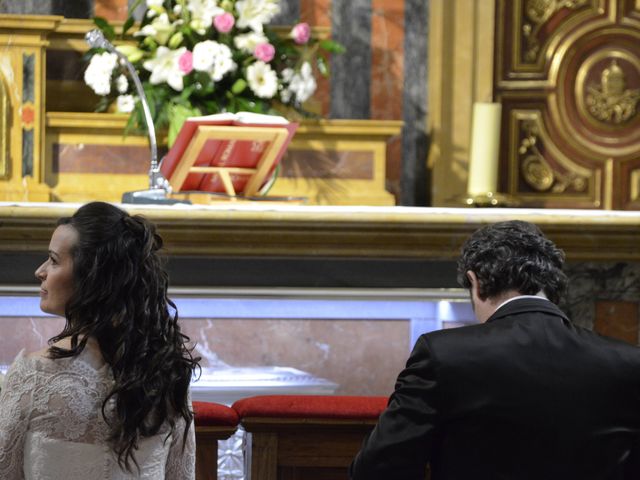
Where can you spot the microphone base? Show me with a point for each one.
(153, 196)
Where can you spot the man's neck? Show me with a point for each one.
(491, 304)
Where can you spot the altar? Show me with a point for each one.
(264, 285)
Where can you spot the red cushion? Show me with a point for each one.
(311, 406)
(208, 414)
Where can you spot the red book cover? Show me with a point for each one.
(175, 153)
(234, 153)
(245, 153)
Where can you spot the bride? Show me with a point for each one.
(108, 399)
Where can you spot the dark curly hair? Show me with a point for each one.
(513, 255)
(120, 299)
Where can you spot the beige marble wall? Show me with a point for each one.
(363, 357)
(30, 333)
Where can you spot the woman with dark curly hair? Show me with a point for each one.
(109, 397)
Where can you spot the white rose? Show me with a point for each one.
(122, 84)
(262, 79)
(125, 103)
(98, 74)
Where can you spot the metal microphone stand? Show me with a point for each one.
(158, 185)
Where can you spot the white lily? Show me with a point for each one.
(255, 13)
(165, 67)
(160, 29)
(303, 84)
(247, 42)
(202, 13)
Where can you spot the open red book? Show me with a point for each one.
(227, 152)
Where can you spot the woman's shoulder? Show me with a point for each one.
(42, 360)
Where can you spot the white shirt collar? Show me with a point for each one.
(539, 296)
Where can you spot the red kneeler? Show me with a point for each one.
(306, 436)
(213, 422)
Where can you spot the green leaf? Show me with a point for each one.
(177, 116)
(127, 25)
(106, 28)
(132, 7)
(239, 86)
(332, 46)
(323, 66)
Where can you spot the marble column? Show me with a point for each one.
(415, 141)
(289, 13)
(351, 72)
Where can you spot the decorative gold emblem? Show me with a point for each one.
(611, 101)
(537, 172)
(539, 12)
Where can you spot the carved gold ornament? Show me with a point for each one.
(611, 101)
(537, 172)
(538, 12)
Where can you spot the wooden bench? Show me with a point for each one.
(295, 437)
(213, 422)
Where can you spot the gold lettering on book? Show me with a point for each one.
(257, 147)
(226, 153)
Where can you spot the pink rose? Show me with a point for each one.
(185, 62)
(264, 52)
(301, 33)
(224, 22)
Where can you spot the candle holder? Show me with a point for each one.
(488, 200)
(485, 200)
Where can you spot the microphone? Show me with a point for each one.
(159, 186)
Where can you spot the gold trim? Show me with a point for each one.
(30, 22)
(313, 232)
(608, 184)
(118, 121)
(5, 128)
(634, 181)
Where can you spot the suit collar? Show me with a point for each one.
(527, 304)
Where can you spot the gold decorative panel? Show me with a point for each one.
(568, 75)
(5, 125)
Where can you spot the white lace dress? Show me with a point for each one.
(51, 427)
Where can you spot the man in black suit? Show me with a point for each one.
(523, 395)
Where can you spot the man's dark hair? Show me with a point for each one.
(513, 255)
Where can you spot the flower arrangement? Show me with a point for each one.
(197, 57)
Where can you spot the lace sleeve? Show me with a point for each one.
(15, 408)
(181, 464)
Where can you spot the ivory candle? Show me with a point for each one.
(485, 141)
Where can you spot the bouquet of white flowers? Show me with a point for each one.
(198, 57)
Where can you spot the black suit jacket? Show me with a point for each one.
(527, 395)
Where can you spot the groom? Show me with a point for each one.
(523, 395)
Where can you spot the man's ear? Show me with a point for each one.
(475, 285)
